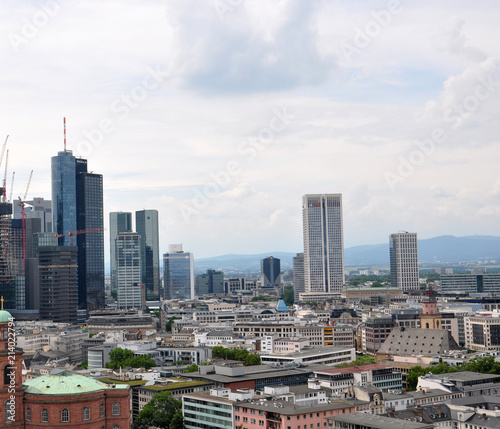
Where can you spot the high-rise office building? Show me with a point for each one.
(211, 282)
(58, 283)
(118, 222)
(298, 276)
(178, 273)
(146, 224)
(270, 272)
(403, 252)
(323, 243)
(7, 262)
(128, 257)
(36, 208)
(77, 205)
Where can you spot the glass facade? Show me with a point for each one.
(323, 243)
(178, 275)
(403, 252)
(118, 222)
(270, 269)
(128, 266)
(146, 224)
(77, 204)
(64, 195)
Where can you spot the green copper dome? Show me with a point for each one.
(5, 316)
(60, 382)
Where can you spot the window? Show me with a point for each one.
(65, 415)
(102, 410)
(86, 413)
(9, 414)
(45, 416)
(116, 427)
(6, 378)
(28, 414)
(116, 409)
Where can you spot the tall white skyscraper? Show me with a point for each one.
(403, 251)
(131, 292)
(323, 243)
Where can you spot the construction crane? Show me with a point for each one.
(4, 183)
(71, 234)
(11, 186)
(23, 217)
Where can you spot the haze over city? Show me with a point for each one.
(221, 115)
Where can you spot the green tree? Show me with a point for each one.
(160, 412)
(177, 421)
(168, 325)
(252, 359)
(140, 362)
(85, 364)
(118, 356)
(191, 368)
(360, 360)
(412, 377)
(288, 295)
(377, 284)
(366, 302)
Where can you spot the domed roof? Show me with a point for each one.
(5, 316)
(60, 382)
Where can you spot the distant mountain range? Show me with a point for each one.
(444, 249)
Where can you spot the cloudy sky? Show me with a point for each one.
(221, 114)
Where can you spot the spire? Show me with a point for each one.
(64, 134)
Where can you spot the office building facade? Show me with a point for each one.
(118, 222)
(129, 270)
(270, 271)
(323, 243)
(471, 283)
(38, 208)
(298, 276)
(178, 275)
(211, 282)
(146, 224)
(77, 205)
(58, 283)
(403, 252)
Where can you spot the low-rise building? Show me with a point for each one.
(465, 383)
(324, 355)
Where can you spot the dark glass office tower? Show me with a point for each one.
(58, 283)
(78, 206)
(146, 224)
(64, 195)
(118, 222)
(270, 268)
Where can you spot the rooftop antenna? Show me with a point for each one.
(64, 134)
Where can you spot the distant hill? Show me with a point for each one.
(445, 249)
(242, 262)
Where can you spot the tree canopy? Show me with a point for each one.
(484, 365)
(236, 354)
(162, 411)
(122, 358)
(288, 295)
(360, 360)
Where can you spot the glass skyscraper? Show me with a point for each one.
(323, 243)
(128, 258)
(64, 195)
(403, 253)
(77, 204)
(178, 274)
(146, 224)
(118, 222)
(270, 269)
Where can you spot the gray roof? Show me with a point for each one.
(379, 422)
(465, 376)
(419, 394)
(415, 341)
(289, 408)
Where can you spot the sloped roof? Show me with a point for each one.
(415, 341)
(282, 306)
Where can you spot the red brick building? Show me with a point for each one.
(57, 400)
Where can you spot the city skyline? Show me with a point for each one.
(392, 119)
